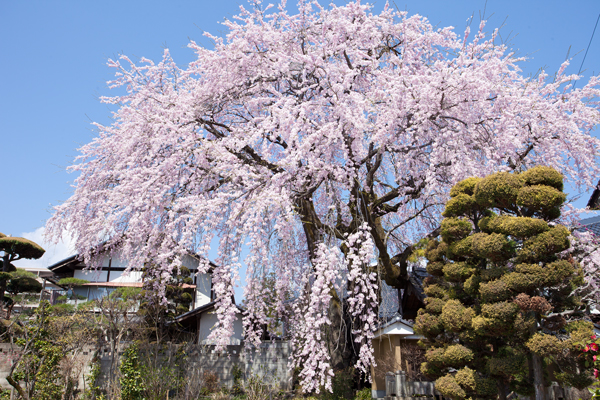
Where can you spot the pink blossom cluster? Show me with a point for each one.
(362, 294)
(311, 321)
(585, 249)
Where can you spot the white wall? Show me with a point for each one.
(203, 281)
(208, 321)
(116, 262)
(121, 276)
(91, 275)
(203, 286)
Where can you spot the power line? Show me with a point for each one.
(588, 47)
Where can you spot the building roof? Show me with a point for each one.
(42, 272)
(591, 225)
(64, 265)
(127, 284)
(71, 263)
(190, 318)
(193, 313)
(396, 326)
(594, 201)
(413, 297)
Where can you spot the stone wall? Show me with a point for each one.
(80, 362)
(8, 355)
(269, 361)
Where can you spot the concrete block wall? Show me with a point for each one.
(269, 361)
(81, 362)
(9, 354)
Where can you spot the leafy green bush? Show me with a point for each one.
(132, 387)
(363, 394)
(341, 385)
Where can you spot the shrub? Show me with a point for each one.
(363, 394)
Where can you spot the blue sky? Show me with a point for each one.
(54, 56)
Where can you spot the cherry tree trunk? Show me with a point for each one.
(339, 337)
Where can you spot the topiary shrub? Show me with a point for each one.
(455, 316)
(541, 175)
(544, 201)
(500, 276)
(498, 190)
(449, 387)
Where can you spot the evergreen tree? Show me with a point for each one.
(13, 249)
(178, 293)
(500, 284)
(71, 284)
(19, 281)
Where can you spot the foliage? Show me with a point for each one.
(590, 348)
(13, 249)
(320, 142)
(132, 387)
(363, 394)
(342, 387)
(259, 387)
(501, 289)
(114, 316)
(71, 283)
(93, 392)
(149, 371)
(220, 396)
(19, 248)
(48, 364)
(210, 383)
(178, 291)
(178, 296)
(15, 282)
(163, 370)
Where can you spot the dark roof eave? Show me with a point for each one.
(193, 312)
(64, 262)
(196, 311)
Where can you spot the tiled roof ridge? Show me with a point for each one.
(590, 224)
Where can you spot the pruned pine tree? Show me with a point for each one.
(71, 284)
(13, 249)
(19, 281)
(157, 309)
(501, 285)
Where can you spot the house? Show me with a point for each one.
(200, 321)
(111, 275)
(395, 342)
